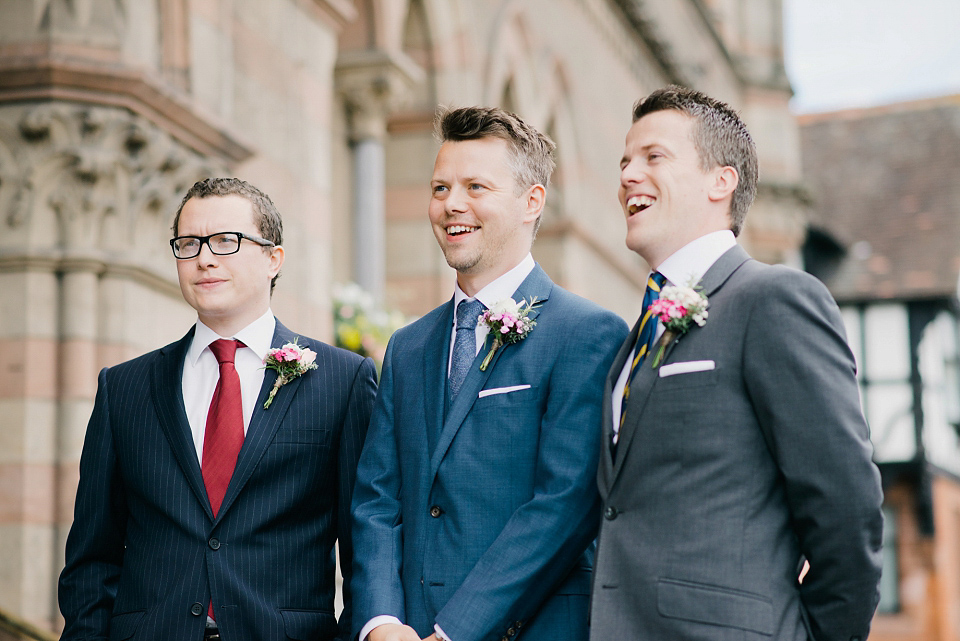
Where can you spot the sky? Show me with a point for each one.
(859, 53)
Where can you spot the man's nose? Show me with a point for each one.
(456, 201)
(631, 173)
(206, 257)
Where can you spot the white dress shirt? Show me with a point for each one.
(496, 291)
(201, 372)
(503, 287)
(686, 266)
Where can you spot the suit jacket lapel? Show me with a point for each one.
(263, 423)
(436, 356)
(645, 380)
(168, 399)
(536, 285)
(606, 456)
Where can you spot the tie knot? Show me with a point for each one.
(467, 313)
(225, 349)
(656, 281)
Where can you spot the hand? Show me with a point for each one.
(393, 632)
(432, 637)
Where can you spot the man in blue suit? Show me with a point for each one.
(200, 513)
(476, 507)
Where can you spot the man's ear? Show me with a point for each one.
(536, 199)
(276, 260)
(725, 181)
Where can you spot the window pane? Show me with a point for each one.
(851, 322)
(888, 347)
(890, 579)
(888, 407)
(941, 392)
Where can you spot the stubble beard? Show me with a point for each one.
(463, 262)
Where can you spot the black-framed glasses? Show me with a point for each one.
(222, 243)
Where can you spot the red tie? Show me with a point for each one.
(223, 437)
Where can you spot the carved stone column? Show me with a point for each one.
(373, 83)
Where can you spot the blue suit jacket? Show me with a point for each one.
(481, 517)
(145, 553)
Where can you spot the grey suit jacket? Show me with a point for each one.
(725, 479)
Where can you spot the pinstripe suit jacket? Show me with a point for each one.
(145, 554)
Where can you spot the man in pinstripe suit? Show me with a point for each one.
(200, 514)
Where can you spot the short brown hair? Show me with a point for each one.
(531, 152)
(265, 215)
(720, 137)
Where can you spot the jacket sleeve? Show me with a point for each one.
(545, 536)
(360, 405)
(377, 523)
(801, 378)
(95, 545)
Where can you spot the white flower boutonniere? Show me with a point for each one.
(678, 308)
(509, 322)
(289, 361)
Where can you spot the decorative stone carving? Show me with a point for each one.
(374, 83)
(99, 22)
(99, 182)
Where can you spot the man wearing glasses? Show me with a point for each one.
(200, 513)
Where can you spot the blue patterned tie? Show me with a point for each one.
(648, 330)
(465, 345)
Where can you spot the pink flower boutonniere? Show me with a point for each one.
(509, 322)
(289, 361)
(678, 308)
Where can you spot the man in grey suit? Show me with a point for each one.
(741, 451)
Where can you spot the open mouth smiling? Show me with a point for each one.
(637, 204)
(460, 230)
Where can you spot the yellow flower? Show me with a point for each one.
(350, 337)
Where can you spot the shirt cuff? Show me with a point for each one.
(440, 633)
(376, 622)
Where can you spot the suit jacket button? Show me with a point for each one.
(504, 639)
(214, 544)
(196, 609)
(511, 632)
(435, 511)
(610, 513)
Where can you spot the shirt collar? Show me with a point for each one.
(501, 288)
(688, 264)
(258, 336)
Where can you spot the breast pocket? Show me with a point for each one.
(687, 380)
(505, 395)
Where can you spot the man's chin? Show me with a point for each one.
(462, 263)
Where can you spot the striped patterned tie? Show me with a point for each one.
(648, 330)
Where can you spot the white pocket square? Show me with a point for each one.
(502, 390)
(686, 368)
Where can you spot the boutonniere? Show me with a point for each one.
(509, 322)
(678, 308)
(289, 361)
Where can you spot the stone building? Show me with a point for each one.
(111, 109)
(884, 230)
